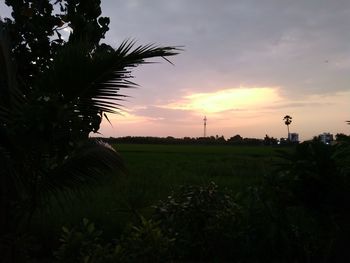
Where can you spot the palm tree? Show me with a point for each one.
(287, 121)
(44, 131)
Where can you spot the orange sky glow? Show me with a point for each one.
(242, 98)
(250, 112)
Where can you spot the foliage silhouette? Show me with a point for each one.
(142, 242)
(54, 93)
(287, 121)
(204, 221)
(311, 192)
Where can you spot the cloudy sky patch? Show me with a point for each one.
(301, 47)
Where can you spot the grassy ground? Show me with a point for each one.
(153, 172)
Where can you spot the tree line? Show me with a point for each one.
(210, 140)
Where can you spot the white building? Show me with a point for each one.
(326, 137)
(293, 137)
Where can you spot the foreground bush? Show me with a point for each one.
(144, 242)
(205, 222)
(310, 196)
(195, 223)
(298, 214)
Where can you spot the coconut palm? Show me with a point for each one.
(44, 131)
(287, 121)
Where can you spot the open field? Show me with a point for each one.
(153, 172)
(171, 165)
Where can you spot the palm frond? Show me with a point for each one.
(94, 79)
(107, 85)
(87, 166)
(65, 104)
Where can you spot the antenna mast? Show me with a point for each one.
(205, 126)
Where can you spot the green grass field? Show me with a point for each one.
(153, 172)
(170, 165)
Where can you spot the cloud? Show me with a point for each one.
(301, 47)
(248, 43)
(164, 115)
(233, 43)
(5, 10)
(296, 104)
(224, 100)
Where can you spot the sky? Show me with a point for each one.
(245, 65)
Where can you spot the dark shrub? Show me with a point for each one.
(144, 242)
(204, 221)
(310, 194)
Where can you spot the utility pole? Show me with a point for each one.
(205, 126)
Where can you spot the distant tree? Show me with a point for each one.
(221, 139)
(270, 140)
(252, 141)
(235, 139)
(341, 137)
(287, 121)
(283, 141)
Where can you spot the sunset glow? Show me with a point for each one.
(242, 98)
(246, 67)
(246, 111)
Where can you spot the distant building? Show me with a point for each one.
(293, 137)
(326, 137)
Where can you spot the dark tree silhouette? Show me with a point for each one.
(54, 93)
(287, 121)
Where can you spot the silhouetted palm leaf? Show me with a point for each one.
(44, 130)
(82, 84)
(92, 81)
(287, 119)
(87, 166)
